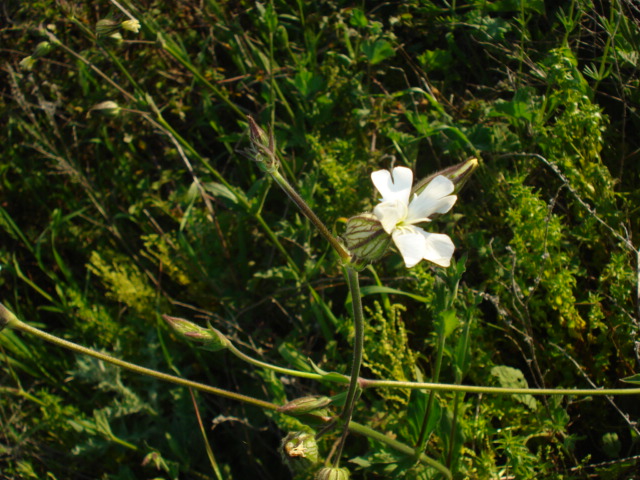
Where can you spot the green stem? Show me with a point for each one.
(19, 325)
(396, 445)
(448, 387)
(358, 350)
(310, 214)
(286, 371)
(8, 319)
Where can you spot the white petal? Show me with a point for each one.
(390, 214)
(394, 185)
(411, 244)
(415, 244)
(438, 187)
(434, 198)
(439, 248)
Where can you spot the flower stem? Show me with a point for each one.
(11, 321)
(310, 214)
(358, 350)
(8, 319)
(449, 387)
(286, 371)
(396, 445)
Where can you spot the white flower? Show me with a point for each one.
(398, 215)
(132, 25)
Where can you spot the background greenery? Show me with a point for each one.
(109, 219)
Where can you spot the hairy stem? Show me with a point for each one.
(8, 319)
(310, 214)
(358, 350)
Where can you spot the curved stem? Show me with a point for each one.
(8, 319)
(287, 371)
(358, 350)
(19, 325)
(396, 445)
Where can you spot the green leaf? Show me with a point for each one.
(509, 377)
(635, 379)
(377, 51)
(449, 322)
(358, 19)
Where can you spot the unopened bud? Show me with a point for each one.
(263, 148)
(107, 26)
(108, 108)
(365, 239)
(132, 25)
(299, 451)
(6, 317)
(42, 49)
(458, 174)
(332, 473)
(209, 338)
(304, 405)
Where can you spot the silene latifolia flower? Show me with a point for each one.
(399, 212)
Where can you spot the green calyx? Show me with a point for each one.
(365, 239)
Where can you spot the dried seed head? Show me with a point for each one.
(299, 451)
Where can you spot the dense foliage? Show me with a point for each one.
(112, 214)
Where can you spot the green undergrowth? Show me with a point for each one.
(112, 215)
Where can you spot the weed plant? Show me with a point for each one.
(127, 196)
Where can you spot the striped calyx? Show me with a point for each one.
(365, 239)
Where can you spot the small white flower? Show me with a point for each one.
(398, 215)
(131, 25)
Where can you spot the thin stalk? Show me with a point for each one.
(358, 350)
(286, 371)
(12, 321)
(449, 387)
(396, 445)
(161, 123)
(310, 214)
(8, 319)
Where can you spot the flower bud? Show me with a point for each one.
(299, 451)
(131, 25)
(42, 49)
(209, 338)
(108, 108)
(365, 239)
(332, 473)
(458, 174)
(263, 148)
(303, 405)
(107, 26)
(6, 317)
